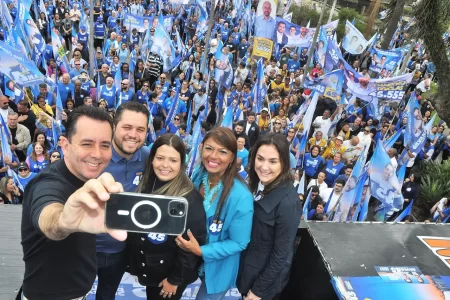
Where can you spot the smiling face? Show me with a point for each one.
(267, 164)
(38, 149)
(130, 132)
(215, 157)
(167, 163)
(89, 151)
(267, 9)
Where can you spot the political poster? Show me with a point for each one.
(384, 184)
(331, 27)
(409, 274)
(262, 47)
(366, 88)
(292, 34)
(18, 68)
(321, 49)
(374, 287)
(328, 85)
(223, 72)
(353, 42)
(384, 62)
(265, 18)
(130, 289)
(163, 46)
(32, 33)
(142, 23)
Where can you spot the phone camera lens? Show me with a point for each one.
(180, 205)
(173, 211)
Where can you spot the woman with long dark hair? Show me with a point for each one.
(265, 264)
(229, 210)
(155, 259)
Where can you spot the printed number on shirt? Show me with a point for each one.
(215, 226)
(138, 178)
(157, 238)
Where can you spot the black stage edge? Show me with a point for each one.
(309, 277)
(331, 249)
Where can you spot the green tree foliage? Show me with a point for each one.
(350, 14)
(302, 14)
(435, 186)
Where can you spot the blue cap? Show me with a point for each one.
(82, 27)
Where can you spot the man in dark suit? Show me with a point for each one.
(251, 129)
(279, 35)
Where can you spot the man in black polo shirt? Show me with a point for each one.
(64, 208)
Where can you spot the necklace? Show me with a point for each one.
(209, 193)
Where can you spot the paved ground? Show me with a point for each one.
(11, 263)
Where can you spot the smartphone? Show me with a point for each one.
(146, 213)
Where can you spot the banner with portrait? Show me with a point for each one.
(142, 23)
(262, 47)
(384, 183)
(328, 85)
(354, 41)
(32, 34)
(366, 88)
(292, 34)
(384, 62)
(223, 72)
(164, 47)
(265, 18)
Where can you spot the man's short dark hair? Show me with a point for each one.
(40, 97)
(182, 126)
(349, 166)
(131, 106)
(340, 181)
(251, 114)
(90, 112)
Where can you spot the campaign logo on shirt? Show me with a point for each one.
(214, 226)
(137, 178)
(157, 238)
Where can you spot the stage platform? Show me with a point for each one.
(376, 261)
(333, 261)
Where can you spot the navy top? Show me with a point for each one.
(128, 173)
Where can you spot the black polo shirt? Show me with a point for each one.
(54, 270)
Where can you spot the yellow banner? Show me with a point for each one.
(262, 47)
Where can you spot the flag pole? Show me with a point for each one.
(92, 51)
(208, 34)
(313, 45)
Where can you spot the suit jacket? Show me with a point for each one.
(253, 133)
(284, 38)
(266, 262)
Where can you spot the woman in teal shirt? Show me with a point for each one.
(228, 204)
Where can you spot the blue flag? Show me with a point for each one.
(260, 86)
(305, 206)
(173, 109)
(405, 213)
(189, 120)
(228, 118)
(300, 155)
(301, 185)
(196, 140)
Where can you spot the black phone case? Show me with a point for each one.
(146, 213)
